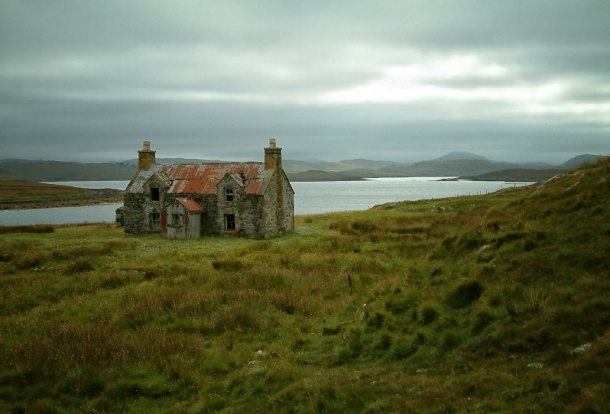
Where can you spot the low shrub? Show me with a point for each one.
(228, 264)
(28, 260)
(404, 349)
(364, 226)
(470, 241)
(509, 237)
(331, 330)
(428, 315)
(79, 266)
(482, 319)
(450, 340)
(401, 304)
(375, 320)
(384, 343)
(465, 294)
(37, 228)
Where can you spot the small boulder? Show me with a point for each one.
(581, 349)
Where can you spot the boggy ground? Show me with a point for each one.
(497, 303)
(20, 194)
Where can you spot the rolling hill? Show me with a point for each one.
(453, 164)
(482, 304)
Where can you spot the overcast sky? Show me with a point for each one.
(397, 80)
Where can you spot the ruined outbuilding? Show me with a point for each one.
(193, 200)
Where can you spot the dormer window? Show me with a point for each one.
(229, 194)
(154, 193)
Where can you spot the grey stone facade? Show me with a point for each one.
(251, 199)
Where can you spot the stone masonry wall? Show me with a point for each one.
(134, 217)
(255, 215)
(279, 206)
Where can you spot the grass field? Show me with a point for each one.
(497, 303)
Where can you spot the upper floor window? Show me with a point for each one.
(229, 194)
(154, 193)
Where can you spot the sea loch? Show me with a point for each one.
(310, 198)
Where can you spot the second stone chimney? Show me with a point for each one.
(273, 156)
(146, 157)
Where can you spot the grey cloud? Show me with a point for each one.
(213, 79)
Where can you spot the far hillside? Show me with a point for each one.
(454, 164)
(18, 194)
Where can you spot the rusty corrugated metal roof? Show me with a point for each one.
(190, 205)
(203, 178)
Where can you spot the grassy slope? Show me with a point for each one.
(470, 304)
(31, 194)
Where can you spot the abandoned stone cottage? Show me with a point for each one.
(193, 200)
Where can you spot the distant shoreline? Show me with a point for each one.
(24, 194)
(60, 203)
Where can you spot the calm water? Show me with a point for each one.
(310, 198)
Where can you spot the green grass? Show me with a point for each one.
(471, 304)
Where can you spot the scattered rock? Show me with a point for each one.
(483, 248)
(253, 363)
(581, 349)
(261, 354)
(536, 365)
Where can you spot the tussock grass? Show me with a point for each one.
(473, 303)
(37, 228)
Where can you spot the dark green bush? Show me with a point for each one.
(228, 264)
(450, 340)
(38, 228)
(364, 226)
(375, 321)
(404, 349)
(80, 266)
(331, 330)
(470, 241)
(465, 294)
(428, 315)
(401, 304)
(482, 319)
(509, 237)
(27, 260)
(384, 342)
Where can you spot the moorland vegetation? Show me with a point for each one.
(496, 303)
(19, 194)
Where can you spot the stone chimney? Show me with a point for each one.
(273, 156)
(146, 157)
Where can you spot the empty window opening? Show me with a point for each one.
(229, 194)
(176, 219)
(229, 221)
(154, 194)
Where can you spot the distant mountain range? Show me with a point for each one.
(455, 164)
